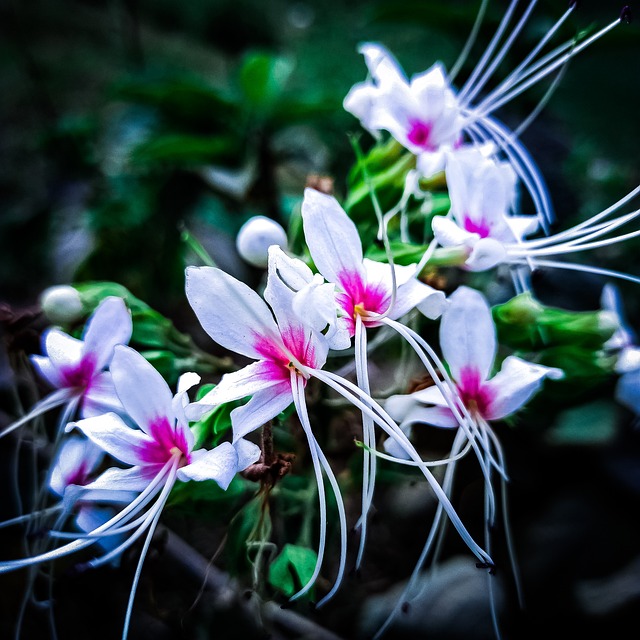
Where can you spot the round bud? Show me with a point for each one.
(61, 304)
(256, 236)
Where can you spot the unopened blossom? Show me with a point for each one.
(77, 369)
(256, 236)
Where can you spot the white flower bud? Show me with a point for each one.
(61, 304)
(256, 236)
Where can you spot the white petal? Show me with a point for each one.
(76, 459)
(383, 67)
(413, 294)
(628, 360)
(247, 451)
(467, 333)
(486, 254)
(109, 325)
(112, 435)
(331, 236)
(114, 479)
(142, 390)
(515, 383)
(219, 464)
(47, 370)
(101, 397)
(449, 234)
(62, 349)
(253, 378)
(360, 101)
(264, 406)
(429, 163)
(522, 226)
(232, 313)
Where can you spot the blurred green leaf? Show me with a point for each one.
(292, 569)
(183, 151)
(524, 323)
(263, 77)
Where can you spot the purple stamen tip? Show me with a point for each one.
(625, 14)
(574, 4)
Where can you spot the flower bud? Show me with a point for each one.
(61, 304)
(256, 236)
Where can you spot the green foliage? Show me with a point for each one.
(209, 431)
(524, 323)
(292, 569)
(263, 78)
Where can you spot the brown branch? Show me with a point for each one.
(225, 590)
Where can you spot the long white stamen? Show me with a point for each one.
(388, 425)
(488, 52)
(368, 435)
(572, 246)
(51, 401)
(549, 69)
(143, 554)
(301, 410)
(435, 528)
(519, 72)
(429, 463)
(342, 516)
(505, 518)
(501, 54)
(76, 545)
(464, 54)
(573, 266)
(448, 390)
(523, 164)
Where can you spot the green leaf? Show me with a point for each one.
(263, 78)
(524, 323)
(213, 426)
(179, 150)
(209, 495)
(292, 569)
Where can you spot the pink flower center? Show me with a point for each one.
(481, 227)
(166, 442)
(419, 134)
(298, 350)
(475, 396)
(79, 476)
(360, 297)
(81, 375)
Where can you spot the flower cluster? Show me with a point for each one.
(124, 440)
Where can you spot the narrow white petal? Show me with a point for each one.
(112, 435)
(264, 406)
(143, 392)
(219, 464)
(331, 236)
(109, 325)
(515, 384)
(467, 333)
(247, 451)
(232, 313)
